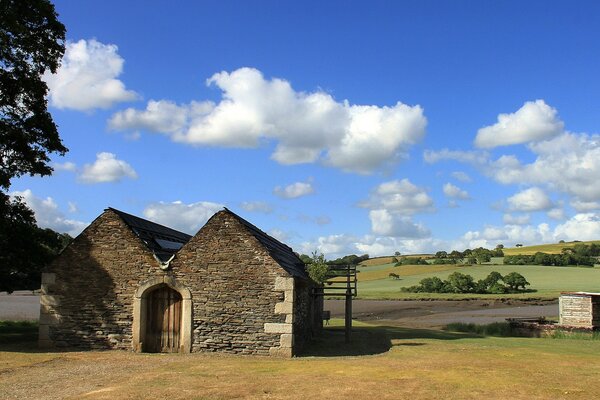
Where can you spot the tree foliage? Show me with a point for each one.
(31, 43)
(317, 268)
(462, 283)
(25, 249)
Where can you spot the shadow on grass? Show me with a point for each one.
(374, 339)
(19, 336)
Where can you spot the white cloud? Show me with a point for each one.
(454, 192)
(319, 219)
(257, 206)
(294, 190)
(470, 157)
(510, 219)
(334, 246)
(461, 176)
(585, 226)
(307, 127)
(87, 77)
(399, 196)
(569, 163)
(557, 213)
(279, 235)
(386, 224)
(532, 199)
(187, 218)
(66, 166)
(585, 206)
(48, 215)
(534, 121)
(106, 168)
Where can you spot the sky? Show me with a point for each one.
(341, 127)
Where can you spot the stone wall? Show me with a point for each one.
(87, 293)
(241, 300)
(236, 287)
(579, 309)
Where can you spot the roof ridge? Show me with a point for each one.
(281, 252)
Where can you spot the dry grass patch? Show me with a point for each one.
(384, 362)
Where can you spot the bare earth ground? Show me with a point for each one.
(437, 314)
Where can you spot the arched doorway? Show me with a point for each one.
(163, 320)
(162, 317)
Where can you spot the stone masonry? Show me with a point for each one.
(236, 297)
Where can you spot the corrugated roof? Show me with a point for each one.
(163, 241)
(283, 254)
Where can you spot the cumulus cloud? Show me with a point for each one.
(306, 127)
(257, 206)
(569, 163)
(534, 121)
(386, 224)
(470, 157)
(106, 168)
(187, 218)
(585, 226)
(454, 192)
(510, 219)
(87, 77)
(532, 199)
(399, 196)
(319, 219)
(334, 246)
(48, 215)
(66, 166)
(557, 213)
(585, 206)
(294, 190)
(461, 176)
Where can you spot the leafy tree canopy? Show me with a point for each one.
(25, 249)
(318, 269)
(31, 43)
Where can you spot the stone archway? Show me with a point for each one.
(141, 303)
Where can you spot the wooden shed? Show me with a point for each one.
(580, 309)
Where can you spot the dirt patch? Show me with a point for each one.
(438, 313)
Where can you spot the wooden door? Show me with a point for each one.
(163, 321)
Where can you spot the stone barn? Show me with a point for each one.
(128, 283)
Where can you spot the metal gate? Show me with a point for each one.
(163, 321)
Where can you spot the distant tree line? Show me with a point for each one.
(458, 282)
(580, 254)
(352, 259)
(476, 256)
(26, 248)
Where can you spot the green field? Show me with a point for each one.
(374, 282)
(552, 248)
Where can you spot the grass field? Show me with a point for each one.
(553, 248)
(383, 362)
(548, 282)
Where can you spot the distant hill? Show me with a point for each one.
(553, 248)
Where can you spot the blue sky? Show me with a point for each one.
(341, 127)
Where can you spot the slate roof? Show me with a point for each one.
(163, 241)
(283, 254)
